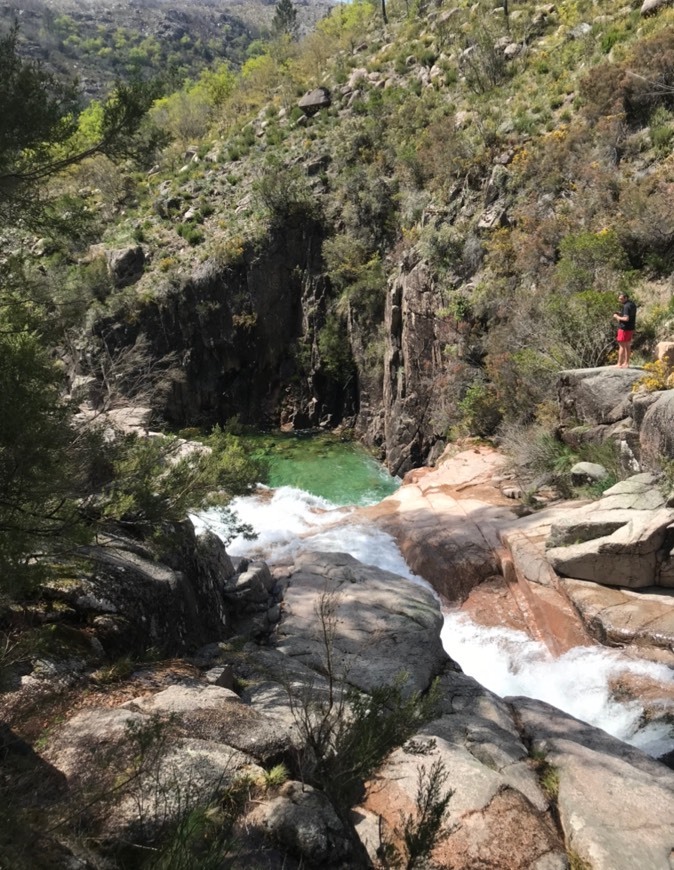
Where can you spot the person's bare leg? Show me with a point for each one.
(621, 355)
(628, 353)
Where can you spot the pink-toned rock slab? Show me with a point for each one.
(446, 521)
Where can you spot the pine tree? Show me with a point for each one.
(285, 19)
(42, 466)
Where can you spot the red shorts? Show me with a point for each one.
(624, 335)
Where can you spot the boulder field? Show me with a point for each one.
(531, 787)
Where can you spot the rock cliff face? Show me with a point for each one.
(246, 340)
(245, 337)
(414, 368)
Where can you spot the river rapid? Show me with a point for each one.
(318, 513)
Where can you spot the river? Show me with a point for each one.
(315, 485)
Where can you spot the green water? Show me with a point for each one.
(340, 471)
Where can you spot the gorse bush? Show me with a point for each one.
(659, 376)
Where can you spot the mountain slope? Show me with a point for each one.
(479, 188)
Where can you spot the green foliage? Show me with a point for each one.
(284, 193)
(590, 261)
(576, 862)
(191, 232)
(523, 379)
(480, 411)
(548, 774)
(343, 751)
(580, 332)
(151, 481)
(203, 836)
(276, 776)
(40, 135)
(184, 115)
(422, 831)
(357, 274)
(335, 351)
(442, 247)
(346, 23)
(539, 454)
(40, 473)
(284, 21)
(481, 61)
(659, 376)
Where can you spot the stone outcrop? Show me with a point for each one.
(383, 625)
(617, 548)
(135, 596)
(613, 542)
(598, 405)
(234, 331)
(314, 101)
(641, 619)
(126, 265)
(303, 821)
(413, 398)
(651, 7)
(606, 791)
(656, 432)
(498, 813)
(446, 521)
(529, 785)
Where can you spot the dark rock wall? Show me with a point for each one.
(245, 337)
(135, 597)
(414, 388)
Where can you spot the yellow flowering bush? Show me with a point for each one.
(659, 376)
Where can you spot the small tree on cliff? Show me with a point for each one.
(284, 20)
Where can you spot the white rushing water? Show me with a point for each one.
(505, 661)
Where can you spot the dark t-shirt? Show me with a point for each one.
(629, 311)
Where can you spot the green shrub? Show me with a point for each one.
(192, 234)
(662, 138)
(480, 410)
(335, 350)
(347, 734)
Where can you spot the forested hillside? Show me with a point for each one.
(100, 42)
(399, 226)
(514, 165)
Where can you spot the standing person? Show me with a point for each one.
(626, 320)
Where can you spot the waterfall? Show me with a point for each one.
(507, 662)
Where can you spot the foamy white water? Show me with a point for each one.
(507, 662)
(288, 520)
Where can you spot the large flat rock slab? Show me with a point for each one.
(615, 804)
(620, 617)
(371, 623)
(613, 547)
(447, 520)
